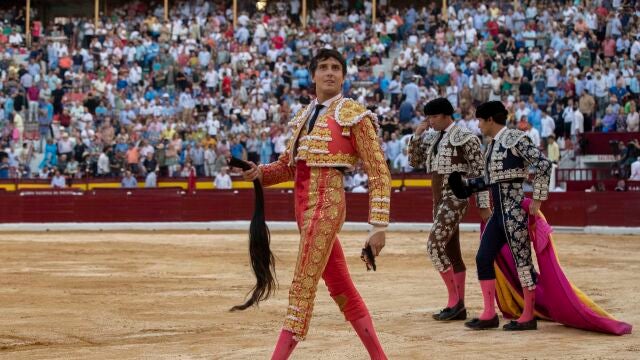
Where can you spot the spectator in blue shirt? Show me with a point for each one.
(122, 83)
(129, 181)
(237, 150)
(302, 75)
(4, 168)
(384, 82)
(411, 93)
(101, 110)
(618, 91)
(535, 117)
(542, 99)
(405, 112)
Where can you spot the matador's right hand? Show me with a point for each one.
(376, 240)
(253, 173)
(422, 127)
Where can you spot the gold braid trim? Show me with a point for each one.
(368, 147)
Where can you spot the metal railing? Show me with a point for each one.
(594, 174)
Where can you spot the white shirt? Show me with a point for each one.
(360, 178)
(504, 128)
(534, 135)
(359, 189)
(15, 39)
(258, 115)
(103, 164)
(471, 125)
(58, 182)
(552, 77)
(222, 181)
(440, 144)
(470, 35)
(577, 127)
(635, 171)
(548, 125)
(633, 122)
(601, 87)
(402, 163)
(212, 126)
(211, 78)
(151, 180)
(568, 115)
(522, 112)
(295, 6)
(279, 144)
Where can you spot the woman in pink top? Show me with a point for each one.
(609, 47)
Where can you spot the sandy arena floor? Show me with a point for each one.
(165, 295)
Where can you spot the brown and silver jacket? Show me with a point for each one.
(458, 150)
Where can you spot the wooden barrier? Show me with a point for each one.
(599, 143)
(175, 205)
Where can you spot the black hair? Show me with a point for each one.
(494, 110)
(263, 262)
(325, 54)
(500, 118)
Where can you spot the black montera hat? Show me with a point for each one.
(489, 109)
(438, 106)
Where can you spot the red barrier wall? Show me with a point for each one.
(170, 204)
(609, 185)
(598, 143)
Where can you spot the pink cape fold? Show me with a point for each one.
(556, 298)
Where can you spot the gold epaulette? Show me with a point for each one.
(349, 112)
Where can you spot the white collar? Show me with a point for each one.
(328, 102)
(449, 127)
(504, 128)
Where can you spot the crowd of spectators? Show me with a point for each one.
(174, 98)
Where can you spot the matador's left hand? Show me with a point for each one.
(534, 207)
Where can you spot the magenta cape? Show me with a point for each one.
(556, 298)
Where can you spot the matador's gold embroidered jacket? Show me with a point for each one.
(346, 132)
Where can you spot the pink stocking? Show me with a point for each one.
(489, 295)
(284, 347)
(460, 282)
(366, 332)
(450, 282)
(529, 301)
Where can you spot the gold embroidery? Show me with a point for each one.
(336, 182)
(321, 221)
(349, 113)
(325, 228)
(307, 283)
(331, 160)
(321, 132)
(368, 148)
(312, 270)
(381, 205)
(316, 257)
(278, 171)
(321, 240)
(334, 197)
